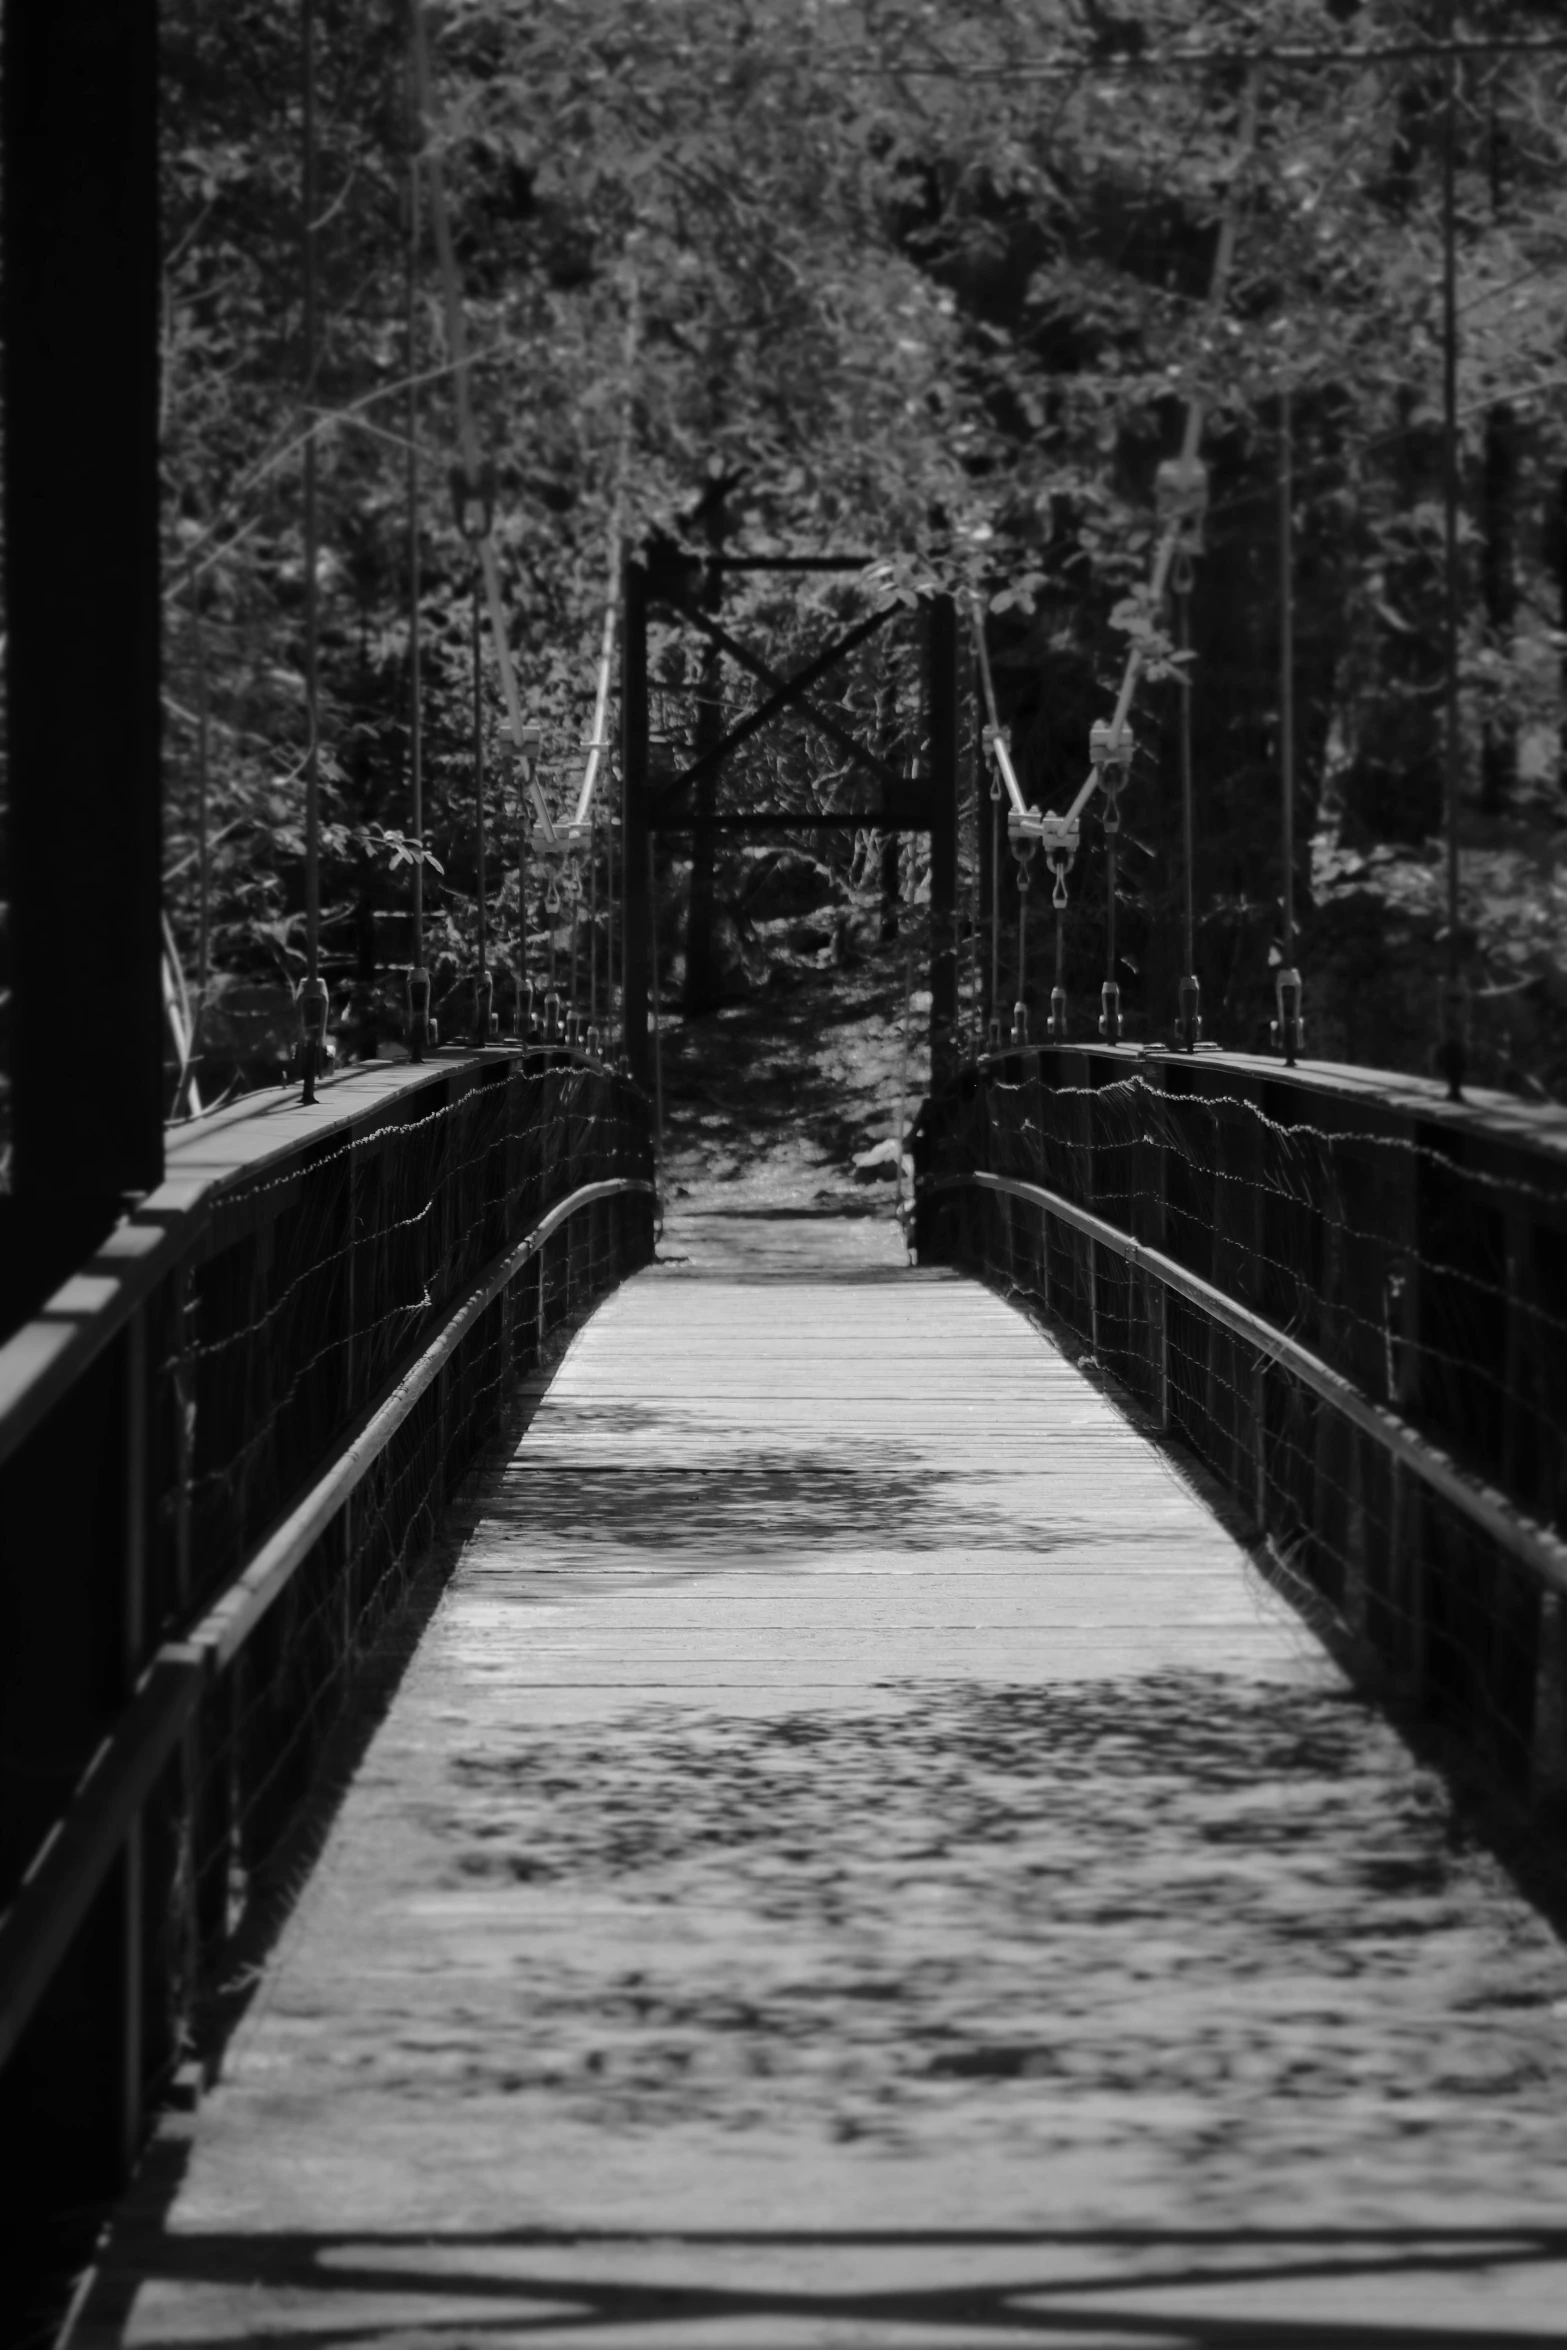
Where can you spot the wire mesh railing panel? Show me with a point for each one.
(336, 1334)
(1418, 1257)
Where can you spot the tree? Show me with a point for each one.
(929, 279)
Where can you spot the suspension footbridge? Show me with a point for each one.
(569, 1769)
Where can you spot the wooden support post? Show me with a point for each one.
(635, 930)
(1259, 1442)
(941, 659)
(81, 281)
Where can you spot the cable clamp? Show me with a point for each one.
(473, 501)
(566, 844)
(996, 739)
(1112, 766)
(485, 1023)
(1180, 490)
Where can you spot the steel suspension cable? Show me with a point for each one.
(658, 1029)
(598, 741)
(467, 434)
(611, 1019)
(312, 994)
(1110, 1016)
(995, 910)
(203, 815)
(593, 929)
(418, 976)
(1452, 1052)
(575, 888)
(1287, 986)
(484, 992)
(1190, 1018)
(973, 927)
(524, 983)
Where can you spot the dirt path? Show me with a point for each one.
(767, 1101)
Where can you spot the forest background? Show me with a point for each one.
(923, 278)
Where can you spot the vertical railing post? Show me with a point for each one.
(635, 932)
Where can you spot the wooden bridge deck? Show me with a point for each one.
(859, 1856)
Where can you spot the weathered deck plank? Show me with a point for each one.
(859, 1857)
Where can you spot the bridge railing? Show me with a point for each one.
(223, 1445)
(1346, 1294)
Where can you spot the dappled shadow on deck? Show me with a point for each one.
(1115, 2288)
(1228, 1920)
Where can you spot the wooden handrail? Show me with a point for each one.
(77, 1854)
(1535, 1547)
(73, 1326)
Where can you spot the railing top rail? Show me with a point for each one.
(1536, 1547)
(208, 1160)
(67, 1870)
(1483, 1111)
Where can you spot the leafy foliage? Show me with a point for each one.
(923, 277)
